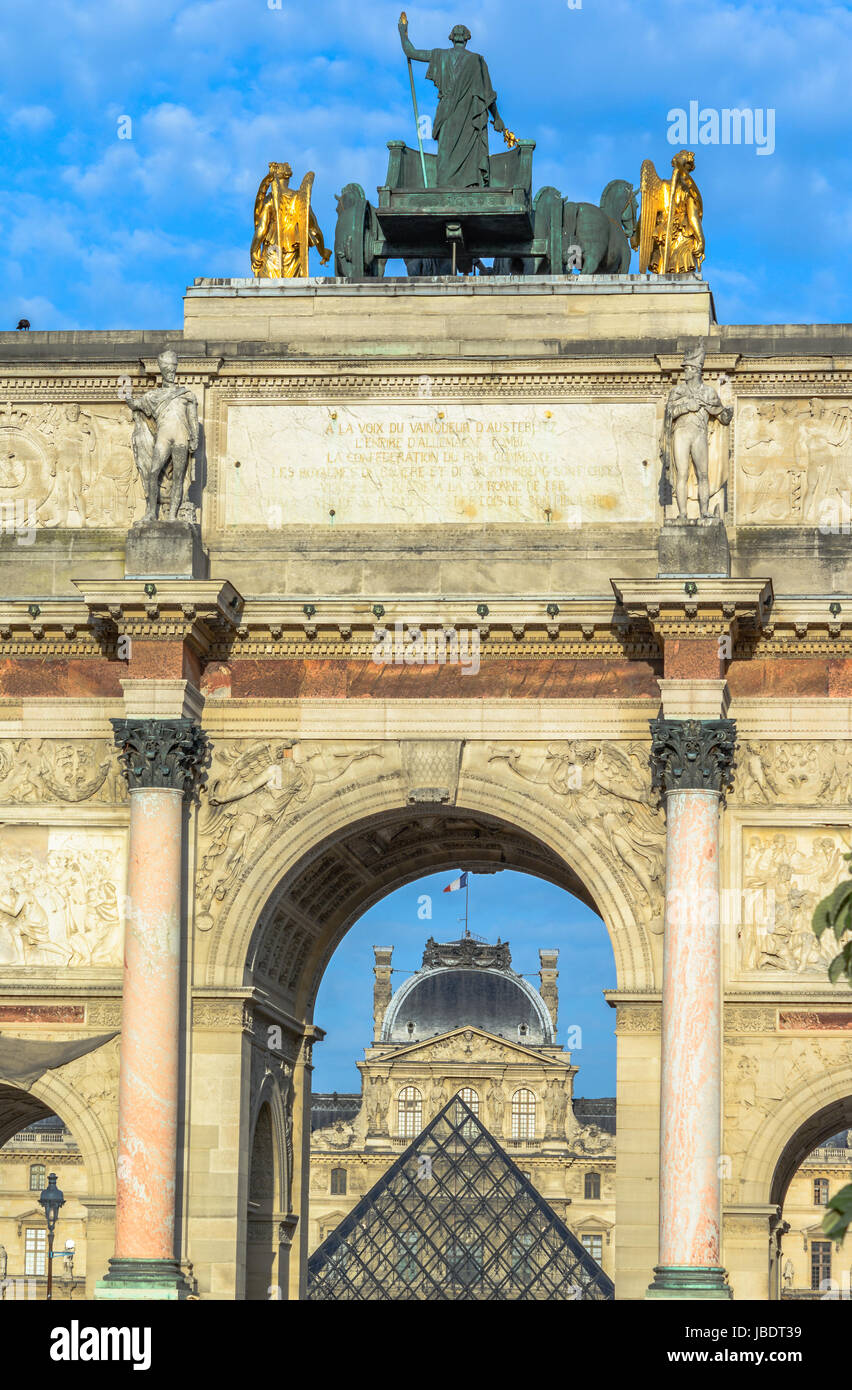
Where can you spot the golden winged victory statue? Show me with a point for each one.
(284, 226)
(670, 237)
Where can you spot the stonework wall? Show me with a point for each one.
(333, 778)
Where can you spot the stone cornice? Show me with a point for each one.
(203, 613)
(699, 608)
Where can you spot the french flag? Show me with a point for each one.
(457, 883)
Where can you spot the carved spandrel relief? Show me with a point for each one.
(62, 896)
(799, 773)
(793, 461)
(68, 465)
(756, 1082)
(251, 786)
(607, 787)
(49, 770)
(785, 874)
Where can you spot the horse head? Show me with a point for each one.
(618, 201)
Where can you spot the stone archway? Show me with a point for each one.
(314, 902)
(830, 1119)
(290, 885)
(311, 909)
(54, 1094)
(823, 1124)
(330, 861)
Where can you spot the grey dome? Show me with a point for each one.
(440, 998)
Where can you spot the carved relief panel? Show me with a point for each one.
(53, 770)
(784, 871)
(62, 895)
(68, 465)
(793, 461)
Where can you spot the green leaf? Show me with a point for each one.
(838, 1217)
(828, 910)
(841, 965)
(821, 920)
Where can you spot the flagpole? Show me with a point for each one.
(466, 906)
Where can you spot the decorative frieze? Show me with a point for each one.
(639, 1018)
(749, 1018)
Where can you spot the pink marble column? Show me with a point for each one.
(694, 760)
(161, 757)
(148, 1086)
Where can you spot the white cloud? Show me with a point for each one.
(31, 119)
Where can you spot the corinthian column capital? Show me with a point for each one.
(165, 753)
(692, 754)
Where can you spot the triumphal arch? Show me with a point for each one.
(353, 579)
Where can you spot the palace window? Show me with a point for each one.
(35, 1251)
(338, 1182)
(522, 1262)
(820, 1192)
(38, 1177)
(464, 1263)
(409, 1112)
(594, 1245)
(523, 1115)
(592, 1186)
(406, 1260)
(820, 1263)
(470, 1098)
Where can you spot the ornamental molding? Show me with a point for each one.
(749, 1019)
(639, 1018)
(692, 754)
(104, 1013)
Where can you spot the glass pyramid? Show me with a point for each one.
(454, 1219)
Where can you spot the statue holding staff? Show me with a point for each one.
(466, 99)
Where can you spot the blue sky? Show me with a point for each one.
(524, 911)
(102, 232)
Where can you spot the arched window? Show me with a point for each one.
(523, 1115)
(470, 1098)
(38, 1177)
(410, 1112)
(592, 1187)
(338, 1182)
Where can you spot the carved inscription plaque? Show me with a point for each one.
(423, 462)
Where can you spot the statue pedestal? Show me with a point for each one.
(694, 550)
(165, 550)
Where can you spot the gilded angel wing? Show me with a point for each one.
(305, 219)
(261, 197)
(651, 187)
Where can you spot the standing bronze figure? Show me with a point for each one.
(466, 99)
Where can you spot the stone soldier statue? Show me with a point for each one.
(689, 409)
(466, 99)
(165, 431)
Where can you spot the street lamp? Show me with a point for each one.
(51, 1199)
